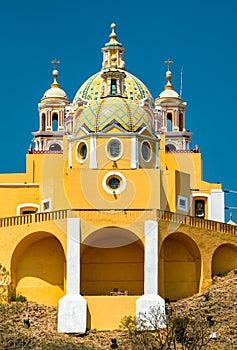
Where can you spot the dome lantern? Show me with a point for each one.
(113, 52)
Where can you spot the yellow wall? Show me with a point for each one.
(103, 269)
(106, 312)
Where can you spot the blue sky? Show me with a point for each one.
(199, 36)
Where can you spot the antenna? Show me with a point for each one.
(181, 82)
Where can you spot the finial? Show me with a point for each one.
(113, 34)
(55, 62)
(113, 37)
(168, 86)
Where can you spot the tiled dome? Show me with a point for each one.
(91, 90)
(113, 110)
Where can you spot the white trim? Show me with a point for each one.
(134, 155)
(81, 161)
(146, 160)
(43, 202)
(93, 160)
(117, 190)
(26, 205)
(107, 146)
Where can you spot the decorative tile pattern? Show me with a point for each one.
(113, 110)
(91, 89)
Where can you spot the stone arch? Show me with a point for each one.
(224, 259)
(112, 257)
(38, 268)
(180, 266)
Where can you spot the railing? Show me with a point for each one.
(196, 222)
(33, 218)
(127, 213)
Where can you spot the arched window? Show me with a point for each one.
(181, 122)
(169, 121)
(55, 147)
(27, 208)
(170, 148)
(55, 122)
(43, 117)
(113, 87)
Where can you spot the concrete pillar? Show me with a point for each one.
(150, 299)
(72, 308)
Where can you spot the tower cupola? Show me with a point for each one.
(170, 116)
(52, 110)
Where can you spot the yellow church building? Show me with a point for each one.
(112, 215)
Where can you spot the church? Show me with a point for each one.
(112, 215)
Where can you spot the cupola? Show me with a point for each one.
(170, 116)
(52, 110)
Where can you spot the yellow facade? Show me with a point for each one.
(116, 160)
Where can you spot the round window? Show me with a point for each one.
(114, 149)
(82, 152)
(114, 183)
(146, 150)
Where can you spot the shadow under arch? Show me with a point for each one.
(179, 267)
(38, 268)
(224, 259)
(112, 258)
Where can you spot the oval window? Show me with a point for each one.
(146, 150)
(82, 152)
(114, 149)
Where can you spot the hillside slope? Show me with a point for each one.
(219, 301)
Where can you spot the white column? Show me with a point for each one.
(73, 256)
(134, 155)
(151, 258)
(150, 299)
(72, 308)
(93, 160)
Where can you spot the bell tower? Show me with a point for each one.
(170, 116)
(52, 111)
